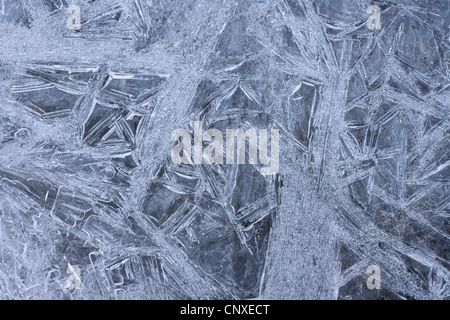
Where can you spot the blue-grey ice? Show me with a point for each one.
(93, 207)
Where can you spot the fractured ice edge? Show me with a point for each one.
(92, 207)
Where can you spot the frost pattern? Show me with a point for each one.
(86, 178)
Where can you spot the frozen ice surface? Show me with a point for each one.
(86, 178)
